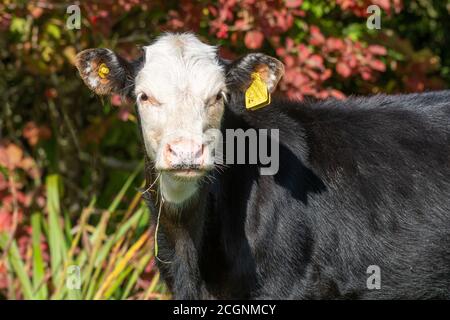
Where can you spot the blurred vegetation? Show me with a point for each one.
(70, 162)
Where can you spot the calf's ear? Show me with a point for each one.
(239, 72)
(104, 72)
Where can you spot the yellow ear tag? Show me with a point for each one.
(103, 70)
(257, 95)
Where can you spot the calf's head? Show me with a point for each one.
(181, 87)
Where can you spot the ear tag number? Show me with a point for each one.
(103, 71)
(257, 94)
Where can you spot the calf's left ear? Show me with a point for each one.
(239, 72)
(104, 72)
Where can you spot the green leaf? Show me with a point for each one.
(39, 285)
(56, 239)
(18, 266)
(99, 252)
(354, 31)
(54, 31)
(18, 25)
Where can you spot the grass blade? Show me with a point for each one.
(56, 239)
(122, 264)
(18, 266)
(39, 285)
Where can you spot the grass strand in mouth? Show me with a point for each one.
(156, 233)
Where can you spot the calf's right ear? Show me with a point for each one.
(104, 72)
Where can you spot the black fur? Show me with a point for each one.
(364, 181)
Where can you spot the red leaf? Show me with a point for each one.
(280, 52)
(303, 52)
(343, 69)
(116, 100)
(317, 37)
(366, 75)
(337, 94)
(289, 44)
(378, 50)
(325, 75)
(223, 32)
(378, 65)
(316, 61)
(289, 61)
(254, 39)
(334, 44)
(293, 3)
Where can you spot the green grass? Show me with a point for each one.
(112, 249)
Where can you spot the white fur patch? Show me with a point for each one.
(93, 81)
(176, 191)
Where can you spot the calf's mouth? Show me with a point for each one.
(186, 173)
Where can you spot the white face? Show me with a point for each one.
(180, 92)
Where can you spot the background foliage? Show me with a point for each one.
(70, 162)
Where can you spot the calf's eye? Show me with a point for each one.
(148, 100)
(143, 97)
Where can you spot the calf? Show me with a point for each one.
(362, 184)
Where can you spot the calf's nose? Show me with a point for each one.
(184, 152)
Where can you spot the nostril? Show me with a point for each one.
(170, 149)
(199, 152)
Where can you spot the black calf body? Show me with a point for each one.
(362, 182)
